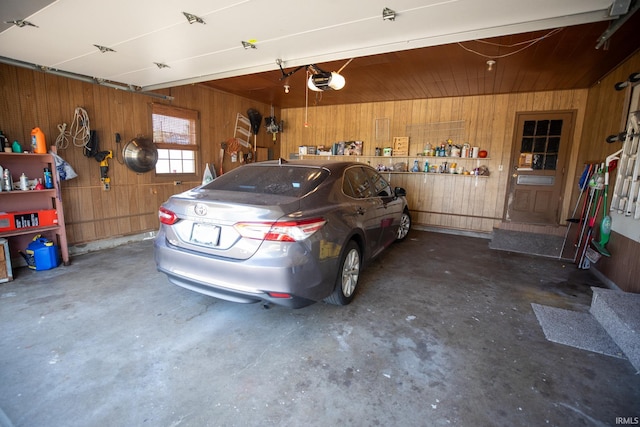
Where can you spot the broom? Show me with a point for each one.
(255, 118)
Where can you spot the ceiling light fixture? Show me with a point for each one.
(287, 88)
(248, 45)
(161, 65)
(21, 23)
(104, 49)
(193, 18)
(490, 64)
(388, 14)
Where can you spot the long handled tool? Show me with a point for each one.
(584, 214)
(598, 186)
(583, 229)
(255, 118)
(605, 224)
(582, 184)
(223, 146)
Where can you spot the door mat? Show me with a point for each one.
(579, 330)
(527, 243)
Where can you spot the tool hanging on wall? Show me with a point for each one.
(605, 225)
(92, 149)
(272, 126)
(255, 118)
(102, 157)
(597, 186)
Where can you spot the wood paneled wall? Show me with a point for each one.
(30, 98)
(604, 116)
(453, 202)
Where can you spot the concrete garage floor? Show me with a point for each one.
(441, 333)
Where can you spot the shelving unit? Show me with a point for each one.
(32, 201)
(391, 160)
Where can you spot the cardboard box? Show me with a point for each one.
(28, 219)
(6, 274)
(400, 145)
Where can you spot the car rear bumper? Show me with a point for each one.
(245, 281)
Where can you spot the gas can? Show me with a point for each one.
(42, 254)
(38, 143)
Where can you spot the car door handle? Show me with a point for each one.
(360, 210)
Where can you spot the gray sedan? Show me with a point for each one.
(285, 232)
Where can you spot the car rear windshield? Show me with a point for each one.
(291, 181)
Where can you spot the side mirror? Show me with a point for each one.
(400, 192)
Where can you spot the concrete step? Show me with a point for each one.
(619, 314)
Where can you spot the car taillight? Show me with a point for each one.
(167, 217)
(286, 231)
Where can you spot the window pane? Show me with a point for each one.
(176, 166)
(162, 166)
(280, 180)
(529, 128)
(550, 162)
(537, 161)
(540, 145)
(188, 166)
(554, 144)
(176, 161)
(556, 127)
(542, 128)
(527, 145)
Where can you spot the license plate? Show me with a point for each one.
(205, 234)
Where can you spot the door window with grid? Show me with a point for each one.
(540, 144)
(175, 133)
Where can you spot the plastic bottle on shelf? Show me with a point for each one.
(24, 182)
(38, 142)
(48, 178)
(7, 180)
(426, 165)
(4, 143)
(17, 148)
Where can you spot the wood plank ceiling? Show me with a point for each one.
(563, 59)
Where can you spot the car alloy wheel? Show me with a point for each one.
(405, 225)
(348, 275)
(350, 272)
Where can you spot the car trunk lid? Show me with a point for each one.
(207, 218)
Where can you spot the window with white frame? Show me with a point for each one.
(175, 134)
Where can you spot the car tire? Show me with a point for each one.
(405, 226)
(348, 275)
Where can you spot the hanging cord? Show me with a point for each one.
(62, 141)
(527, 44)
(80, 128)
